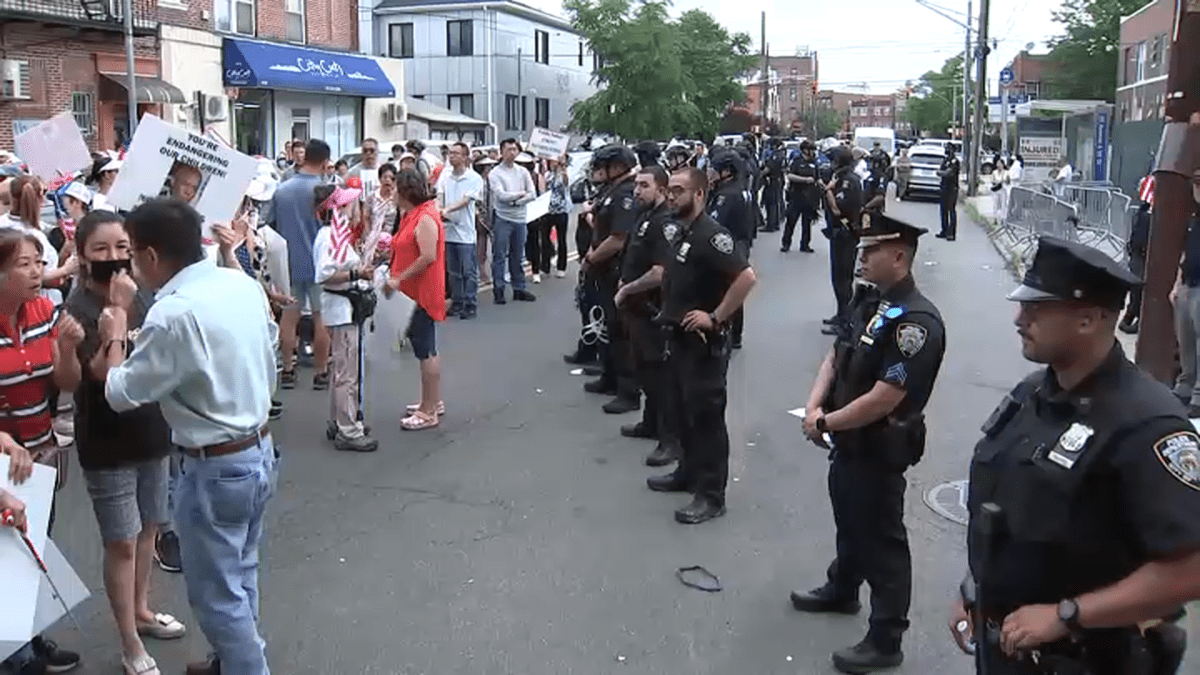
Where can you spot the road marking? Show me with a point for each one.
(949, 500)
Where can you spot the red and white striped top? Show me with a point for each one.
(1146, 190)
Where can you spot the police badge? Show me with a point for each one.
(722, 242)
(720, 200)
(643, 227)
(627, 204)
(1066, 452)
(669, 232)
(910, 338)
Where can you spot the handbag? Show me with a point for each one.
(362, 303)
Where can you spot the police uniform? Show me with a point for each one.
(705, 261)
(774, 164)
(876, 185)
(949, 197)
(803, 202)
(616, 213)
(650, 245)
(593, 331)
(843, 238)
(1073, 490)
(896, 336)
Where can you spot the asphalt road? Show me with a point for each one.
(519, 537)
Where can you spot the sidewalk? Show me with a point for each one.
(981, 210)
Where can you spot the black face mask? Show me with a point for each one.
(103, 271)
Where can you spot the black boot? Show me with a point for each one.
(639, 430)
(670, 482)
(623, 403)
(700, 510)
(600, 386)
(664, 454)
(866, 657)
(824, 600)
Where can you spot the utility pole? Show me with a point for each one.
(963, 131)
(1178, 160)
(980, 97)
(766, 65)
(131, 81)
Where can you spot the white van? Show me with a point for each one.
(867, 137)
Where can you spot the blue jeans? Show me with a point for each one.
(173, 461)
(508, 244)
(464, 275)
(219, 520)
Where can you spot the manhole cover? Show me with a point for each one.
(949, 500)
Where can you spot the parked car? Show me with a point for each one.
(924, 180)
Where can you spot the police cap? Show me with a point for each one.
(647, 152)
(614, 153)
(879, 228)
(1068, 270)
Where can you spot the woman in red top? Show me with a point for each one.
(418, 269)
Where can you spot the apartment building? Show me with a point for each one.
(1144, 62)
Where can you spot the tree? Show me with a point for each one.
(829, 122)
(1084, 59)
(658, 77)
(936, 98)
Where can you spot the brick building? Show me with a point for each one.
(838, 101)
(1144, 62)
(60, 55)
(796, 76)
(1029, 76)
(873, 111)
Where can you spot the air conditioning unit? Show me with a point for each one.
(396, 113)
(14, 80)
(216, 107)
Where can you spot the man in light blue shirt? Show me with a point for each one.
(459, 190)
(205, 354)
(294, 215)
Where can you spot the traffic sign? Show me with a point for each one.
(1006, 76)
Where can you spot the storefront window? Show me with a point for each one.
(253, 121)
(343, 122)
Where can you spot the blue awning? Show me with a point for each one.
(272, 66)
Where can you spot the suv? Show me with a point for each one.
(926, 160)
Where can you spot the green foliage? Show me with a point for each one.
(658, 77)
(829, 122)
(932, 107)
(1084, 60)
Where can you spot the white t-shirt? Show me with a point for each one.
(335, 309)
(100, 203)
(451, 189)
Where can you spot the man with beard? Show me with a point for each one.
(804, 197)
(639, 300)
(843, 208)
(615, 217)
(707, 280)
(730, 205)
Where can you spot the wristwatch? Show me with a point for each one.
(820, 423)
(1068, 613)
(712, 316)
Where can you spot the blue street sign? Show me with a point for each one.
(1006, 76)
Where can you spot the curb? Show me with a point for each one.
(1012, 259)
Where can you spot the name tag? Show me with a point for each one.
(683, 251)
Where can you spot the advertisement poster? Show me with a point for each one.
(166, 161)
(1041, 155)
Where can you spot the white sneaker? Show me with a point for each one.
(537, 278)
(560, 273)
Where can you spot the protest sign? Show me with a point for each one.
(166, 161)
(548, 144)
(537, 208)
(54, 148)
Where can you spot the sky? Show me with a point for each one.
(876, 45)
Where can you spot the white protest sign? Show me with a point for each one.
(537, 208)
(18, 569)
(548, 144)
(54, 148)
(49, 609)
(166, 161)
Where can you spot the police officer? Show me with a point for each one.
(773, 167)
(676, 157)
(750, 178)
(875, 186)
(730, 207)
(843, 208)
(587, 349)
(616, 215)
(706, 281)
(639, 301)
(1084, 492)
(647, 152)
(948, 172)
(804, 197)
(868, 397)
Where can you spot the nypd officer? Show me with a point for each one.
(639, 301)
(706, 281)
(615, 217)
(843, 208)
(948, 173)
(804, 197)
(1084, 492)
(730, 206)
(868, 397)
(774, 163)
(875, 185)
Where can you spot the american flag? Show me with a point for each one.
(340, 235)
(1146, 190)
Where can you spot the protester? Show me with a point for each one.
(512, 188)
(418, 269)
(342, 272)
(459, 191)
(27, 196)
(102, 177)
(367, 170)
(554, 223)
(205, 354)
(381, 205)
(123, 455)
(484, 216)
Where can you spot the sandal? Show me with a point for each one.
(414, 407)
(164, 627)
(418, 421)
(141, 665)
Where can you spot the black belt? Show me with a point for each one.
(230, 447)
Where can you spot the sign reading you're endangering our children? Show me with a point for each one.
(166, 161)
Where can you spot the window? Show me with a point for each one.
(234, 16)
(541, 46)
(512, 112)
(462, 103)
(596, 62)
(83, 107)
(541, 113)
(1127, 75)
(581, 53)
(792, 94)
(300, 123)
(1155, 51)
(1141, 61)
(400, 40)
(459, 38)
(295, 20)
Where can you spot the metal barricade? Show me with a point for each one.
(1031, 214)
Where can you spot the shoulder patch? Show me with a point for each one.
(722, 242)
(1180, 455)
(910, 338)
